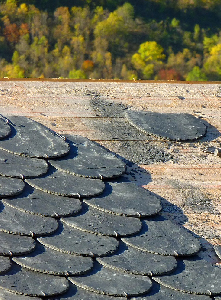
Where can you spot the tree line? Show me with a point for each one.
(111, 39)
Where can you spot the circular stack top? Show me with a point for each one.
(172, 126)
(33, 139)
(88, 159)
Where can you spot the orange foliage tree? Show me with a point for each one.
(11, 32)
(169, 74)
(88, 65)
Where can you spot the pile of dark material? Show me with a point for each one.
(70, 228)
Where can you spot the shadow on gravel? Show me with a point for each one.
(211, 134)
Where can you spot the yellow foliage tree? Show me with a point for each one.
(9, 8)
(13, 70)
(148, 59)
(22, 9)
(212, 65)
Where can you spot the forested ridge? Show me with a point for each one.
(111, 39)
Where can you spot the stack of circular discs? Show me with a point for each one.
(69, 230)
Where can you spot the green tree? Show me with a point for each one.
(115, 29)
(38, 56)
(12, 70)
(81, 32)
(23, 50)
(65, 62)
(81, 21)
(209, 43)
(196, 33)
(148, 59)
(212, 65)
(77, 74)
(99, 14)
(196, 75)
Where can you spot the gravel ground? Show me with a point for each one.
(185, 174)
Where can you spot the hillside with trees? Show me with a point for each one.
(112, 39)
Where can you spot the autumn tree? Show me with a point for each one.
(148, 59)
(9, 9)
(38, 56)
(127, 74)
(88, 67)
(12, 70)
(77, 74)
(39, 26)
(184, 61)
(81, 22)
(65, 62)
(168, 74)
(209, 43)
(212, 65)
(111, 38)
(115, 29)
(62, 32)
(11, 32)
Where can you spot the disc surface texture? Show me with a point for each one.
(172, 126)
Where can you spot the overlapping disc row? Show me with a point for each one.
(69, 231)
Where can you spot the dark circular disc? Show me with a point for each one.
(160, 292)
(12, 244)
(33, 139)
(194, 276)
(106, 281)
(164, 237)
(137, 262)
(76, 293)
(74, 241)
(22, 281)
(10, 186)
(89, 159)
(5, 264)
(5, 129)
(37, 202)
(95, 221)
(126, 198)
(46, 260)
(18, 222)
(173, 126)
(20, 166)
(67, 185)
(6, 295)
